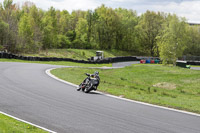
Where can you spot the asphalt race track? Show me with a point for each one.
(195, 68)
(28, 93)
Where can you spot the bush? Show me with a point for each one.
(83, 53)
(1, 48)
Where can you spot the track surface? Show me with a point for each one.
(28, 93)
(195, 68)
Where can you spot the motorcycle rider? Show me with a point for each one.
(95, 75)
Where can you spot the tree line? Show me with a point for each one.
(28, 29)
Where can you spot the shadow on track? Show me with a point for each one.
(94, 93)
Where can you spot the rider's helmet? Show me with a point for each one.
(96, 73)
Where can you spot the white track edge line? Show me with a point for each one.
(125, 99)
(51, 75)
(18, 119)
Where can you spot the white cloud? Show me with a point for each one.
(184, 8)
(188, 9)
(74, 4)
(63, 4)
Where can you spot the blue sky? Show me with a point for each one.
(190, 9)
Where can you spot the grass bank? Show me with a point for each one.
(64, 63)
(167, 86)
(79, 54)
(10, 125)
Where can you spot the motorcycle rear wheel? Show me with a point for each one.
(88, 88)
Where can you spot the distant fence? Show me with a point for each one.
(105, 60)
(191, 60)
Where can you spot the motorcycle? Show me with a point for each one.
(90, 83)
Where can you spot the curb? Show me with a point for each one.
(52, 76)
(124, 99)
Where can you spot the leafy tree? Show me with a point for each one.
(125, 32)
(47, 31)
(1, 9)
(92, 24)
(149, 27)
(106, 27)
(81, 34)
(37, 15)
(30, 29)
(89, 18)
(63, 29)
(64, 22)
(9, 13)
(63, 41)
(3, 31)
(75, 16)
(26, 33)
(173, 39)
(7, 4)
(193, 45)
(50, 29)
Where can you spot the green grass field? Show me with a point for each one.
(10, 125)
(162, 85)
(80, 54)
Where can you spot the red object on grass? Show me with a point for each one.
(152, 61)
(142, 61)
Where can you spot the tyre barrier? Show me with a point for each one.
(193, 62)
(103, 61)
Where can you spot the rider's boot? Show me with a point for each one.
(79, 88)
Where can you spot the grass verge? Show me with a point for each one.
(167, 86)
(64, 63)
(79, 54)
(195, 66)
(10, 125)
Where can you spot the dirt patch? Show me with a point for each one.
(165, 85)
(121, 96)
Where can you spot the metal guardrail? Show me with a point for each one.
(190, 58)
